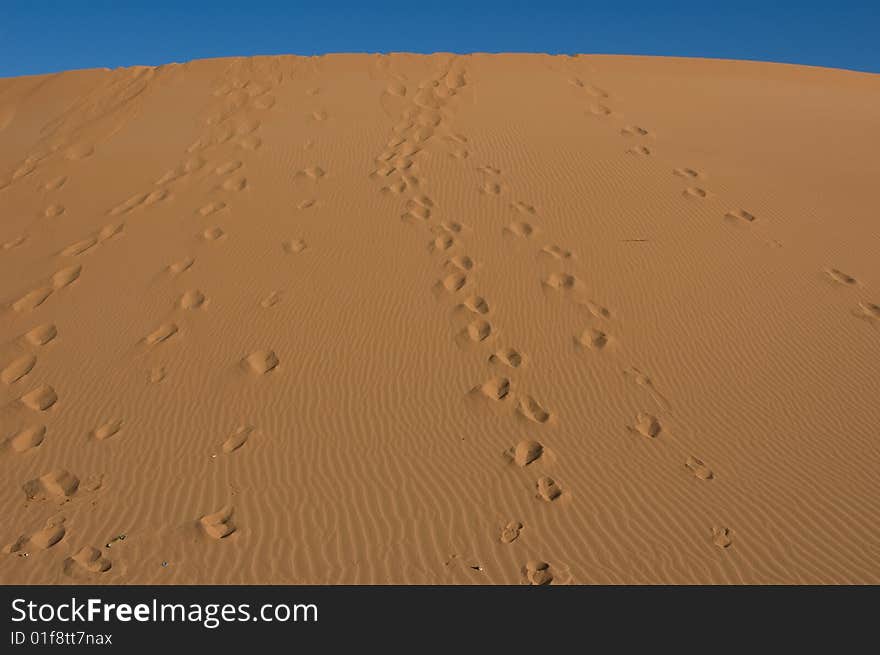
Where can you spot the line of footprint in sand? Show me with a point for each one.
(646, 424)
(222, 126)
(865, 310)
(423, 120)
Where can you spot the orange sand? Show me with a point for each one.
(438, 319)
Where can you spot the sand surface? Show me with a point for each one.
(440, 319)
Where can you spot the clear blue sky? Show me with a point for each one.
(45, 36)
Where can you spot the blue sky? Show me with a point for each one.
(41, 37)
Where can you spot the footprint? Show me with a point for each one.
(557, 252)
(561, 281)
(441, 243)
(237, 439)
(687, 173)
(53, 211)
(592, 338)
(110, 230)
(496, 388)
(520, 229)
(40, 399)
(740, 215)
(86, 562)
(548, 489)
(600, 110)
(722, 537)
(524, 208)
(294, 246)
(107, 430)
(180, 266)
(416, 212)
(247, 127)
(218, 525)
(532, 410)
(213, 234)
(396, 89)
(508, 356)
(641, 151)
(597, 310)
(15, 242)
(251, 142)
(647, 425)
(32, 299)
(55, 184)
(193, 299)
(41, 540)
(60, 483)
(42, 334)
(271, 300)
(840, 277)
(537, 573)
(492, 188)
(161, 333)
(698, 468)
(453, 282)
(75, 153)
(212, 208)
(476, 305)
(461, 262)
(526, 452)
(80, 247)
(319, 116)
(478, 330)
(66, 276)
(645, 381)
(869, 310)
(157, 374)
(17, 369)
(511, 532)
(261, 361)
(264, 102)
(695, 192)
(634, 130)
(313, 173)
(26, 439)
(305, 204)
(235, 184)
(228, 167)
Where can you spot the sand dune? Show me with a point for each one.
(440, 319)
